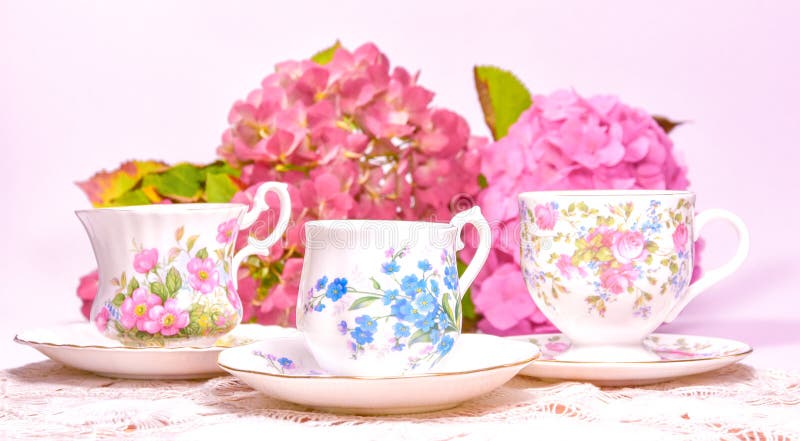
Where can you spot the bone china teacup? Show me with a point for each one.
(608, 267)
(167, 273)
(383, 298)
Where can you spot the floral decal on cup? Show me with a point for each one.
(613, 247)
(421, 306)
(187, 293)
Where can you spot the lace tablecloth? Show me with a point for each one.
(48, 401)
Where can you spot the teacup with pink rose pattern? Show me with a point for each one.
(608, 267)
(167, 273)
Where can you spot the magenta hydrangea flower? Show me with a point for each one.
(203, 274)
(168, 319)
(564, 141)
(145, 260)
(134, 310)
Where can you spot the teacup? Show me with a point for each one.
(608, 267)
(167, 272)
(383, 298)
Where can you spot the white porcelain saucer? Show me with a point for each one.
(283, 368)
(80, 346)
(681, 355)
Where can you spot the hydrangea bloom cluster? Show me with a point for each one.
(353, 138)
(563, 141)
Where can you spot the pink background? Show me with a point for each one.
(84, 85)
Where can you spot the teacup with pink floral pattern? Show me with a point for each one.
(608, 267)
(167, 273)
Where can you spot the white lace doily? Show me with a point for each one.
(47, 401)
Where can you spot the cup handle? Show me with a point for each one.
(261, 247)
(474, 217)
(711, 278)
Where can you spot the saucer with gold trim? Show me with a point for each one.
(283, 368)
(80, 346)
(680, 355)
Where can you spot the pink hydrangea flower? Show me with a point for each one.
(353, 138)
(627, 246)
(87, 291)
(101, 319)
(203, 274)
(226, 229)
(135, 309)
(145, 260)
(247, 294)
(697, 248)
(568, 142)
(279, 306)
(168, 319)
(680, 237)
(506, 308)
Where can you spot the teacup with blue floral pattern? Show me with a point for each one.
(382, 298)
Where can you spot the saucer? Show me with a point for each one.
(283, 368)
(80, 346)
(681, 355)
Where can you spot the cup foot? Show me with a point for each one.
(608, 353)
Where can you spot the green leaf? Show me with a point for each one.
(179, 234)
(419, 336)
(220, 188)
(326, 55)
(160, 290)
(174, 281)
(363, 302)
(181, 182)
(651, 246)
(133, 197)
(666, 123)
(190, 242)
(222, 167)
(118, 299)
(503, 98)
(202, 253)
(375, 283)
(134, 284)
